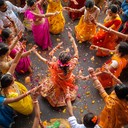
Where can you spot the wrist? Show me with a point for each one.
(27, 93)
(35, 101)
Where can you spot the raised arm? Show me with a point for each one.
(15, 62)
(29, 51)
(55, 49)
(15, 8)
(15, 41)
(40, 57)
(97, 83)
(73, 44)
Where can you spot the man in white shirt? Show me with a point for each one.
(89, 120)
(7, 9)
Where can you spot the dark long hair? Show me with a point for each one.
(6, 80)
(5, 34)
(89, 4)
(121, 91)
(3, 49)
(30, 3)
(123, 48)
(64, 57)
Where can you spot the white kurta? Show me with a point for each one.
(10, 13)
(73, 123)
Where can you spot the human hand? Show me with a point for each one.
(33, 49)
(19, 35)
(56, 13)
(93, 47)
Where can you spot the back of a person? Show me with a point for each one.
(114, 114)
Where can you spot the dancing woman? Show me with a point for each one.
(40, 27)
(107, 39)
(61, 79)
(85, 29)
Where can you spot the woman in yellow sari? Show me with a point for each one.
(57, 22)
(11, 89)
(85, 29)
(115, 112)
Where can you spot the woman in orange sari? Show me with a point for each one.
(61, 80)
(115, 112)
(107, 39)
(116, 64)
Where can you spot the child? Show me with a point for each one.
(89, 119)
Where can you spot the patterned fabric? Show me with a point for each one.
(105, 39)
(115, 112)
(57, 22)
(105, 79)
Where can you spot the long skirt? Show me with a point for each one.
(41, 35)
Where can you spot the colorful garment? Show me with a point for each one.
(74, 124)
(57, 84)
(6, 114)
(99, 3)
(115, 112)
(41, 31)
(5, 64)
(75, 15)
(85, 29)
(27, 18)
(105, 39)
(10, 13)
(124, 8)
(25, 105)
(24, 62)
(106, 80)
(57, 22)
(56, 123)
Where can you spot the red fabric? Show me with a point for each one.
(74, 15)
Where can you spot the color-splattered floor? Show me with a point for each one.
(88, 98)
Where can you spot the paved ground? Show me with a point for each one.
(88, 98)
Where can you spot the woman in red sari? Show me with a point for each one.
(61, 82)
(106, 39)
(76, 15)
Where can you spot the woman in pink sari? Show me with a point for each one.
(40, 25)
(24, 64)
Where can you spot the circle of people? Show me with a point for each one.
(59, 88)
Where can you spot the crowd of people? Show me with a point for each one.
(59, 88)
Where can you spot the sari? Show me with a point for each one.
(5, 64)
(56, 23)
(105, 39)
(85, 29)
(106, 80)
(24, 62)
(58, 85)
(115, 112)
(25, 105)
(6, 114)
(74, 15)
(41, 31)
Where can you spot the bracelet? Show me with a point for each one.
(35, 101)
(27, 93)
